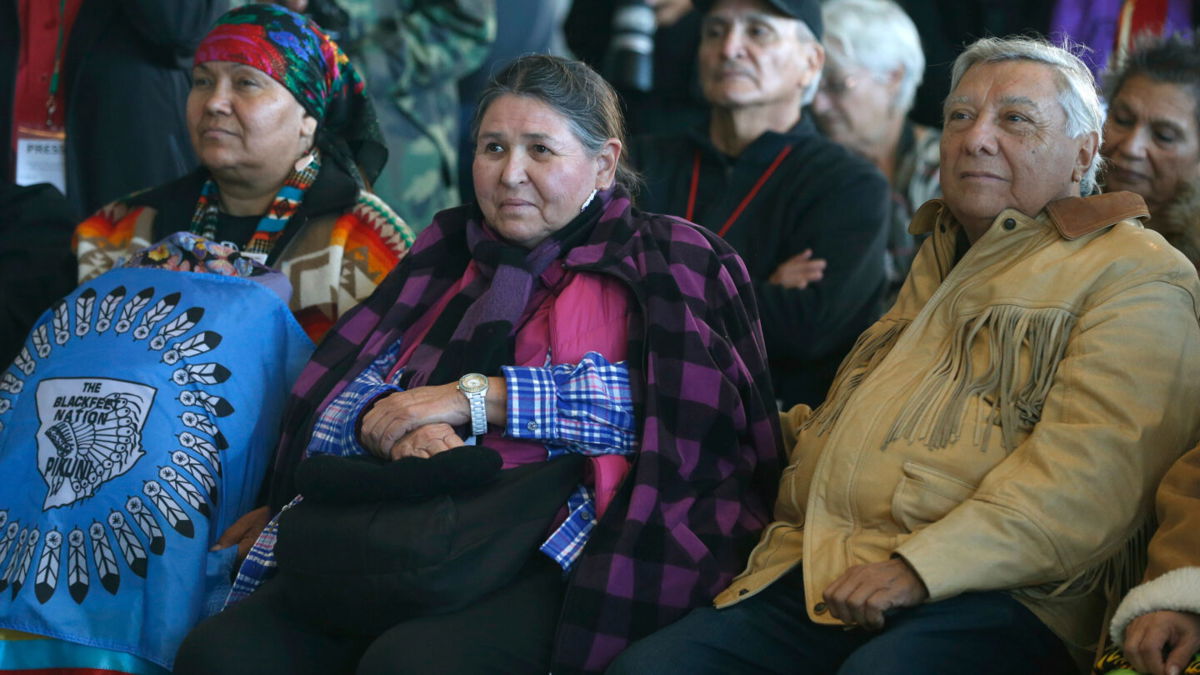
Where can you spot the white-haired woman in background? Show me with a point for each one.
(873, 64)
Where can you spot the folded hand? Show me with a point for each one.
(1162, 643)
(395, 416)
(799, 271)
(426, 441)
(864, 592)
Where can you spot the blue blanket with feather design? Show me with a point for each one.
(135, 426)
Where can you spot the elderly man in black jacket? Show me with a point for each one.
(761, 176)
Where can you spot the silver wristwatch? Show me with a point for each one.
(475, 386)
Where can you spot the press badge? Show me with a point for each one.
(41, 157)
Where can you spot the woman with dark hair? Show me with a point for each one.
(1152, 136)
(288, 146)
(551, 320)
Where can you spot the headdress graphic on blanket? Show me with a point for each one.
(135, 426)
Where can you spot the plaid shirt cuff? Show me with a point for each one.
(566, 543)
(260, 564)
(587, 408)
(531, 403)
(336, 430)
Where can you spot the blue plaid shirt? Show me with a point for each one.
(584, 408)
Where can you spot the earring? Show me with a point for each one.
(303, 162)
(589, 200)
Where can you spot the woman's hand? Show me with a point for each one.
(426, 441)
(395, 416)
(244, 532)
(799, 271)
(1149, 637)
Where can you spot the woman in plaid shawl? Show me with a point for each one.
(629, 337)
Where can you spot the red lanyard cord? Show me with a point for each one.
(766, 175)
(51, 103)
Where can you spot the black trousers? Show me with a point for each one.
(509, 631)
(986, 633)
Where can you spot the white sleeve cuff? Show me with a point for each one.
(1177, 590)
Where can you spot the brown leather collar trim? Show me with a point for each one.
(1076, 216)
(926, 217)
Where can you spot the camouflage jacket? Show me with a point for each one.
(412, 53)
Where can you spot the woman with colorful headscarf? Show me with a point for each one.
(289, 146)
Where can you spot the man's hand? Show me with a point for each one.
(864, 592)
(244, 532)
(395, 416)
(426, 441)
(799, 271)
(1162, 643)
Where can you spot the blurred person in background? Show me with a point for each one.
(1152, 136)
(98, 85)
(412, 53)
(87, 85)
(760, 175)
(873, 64)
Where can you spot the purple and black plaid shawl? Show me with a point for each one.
(709, 453)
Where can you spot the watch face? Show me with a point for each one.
(472, 382)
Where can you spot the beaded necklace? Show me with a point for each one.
(283, 207)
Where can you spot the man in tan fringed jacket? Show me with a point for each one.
(978, 483)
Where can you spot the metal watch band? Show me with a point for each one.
(478, 403)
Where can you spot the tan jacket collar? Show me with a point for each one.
(1073, 217)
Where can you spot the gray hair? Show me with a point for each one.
(576, 92)
(1076, 87)
(879, 36)
(805, 34)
